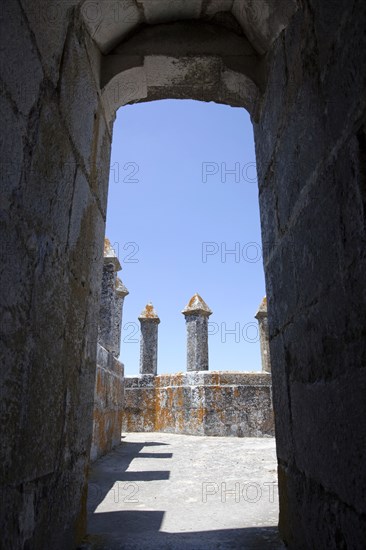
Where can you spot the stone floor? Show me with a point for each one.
(167, 491)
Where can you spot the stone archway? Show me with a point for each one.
(301, 75)
(209, 51)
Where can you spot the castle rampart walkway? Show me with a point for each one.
(161, 491)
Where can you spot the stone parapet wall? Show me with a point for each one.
(200, 403)
(108, 404)
(109, 382)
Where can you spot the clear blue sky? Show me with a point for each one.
(170, 192)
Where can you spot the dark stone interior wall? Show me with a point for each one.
(311, 152)
(54, 171)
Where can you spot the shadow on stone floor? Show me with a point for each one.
(123, 455)
(130, 530)
(141, 529)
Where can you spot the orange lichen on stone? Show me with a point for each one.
(212, 404)
(201, 413)
(101, 429)
(193, 299)
(110, 255)
(149, 312)
(197, 305)
(99, 383)
(180, 397)
(107, 246)
(176, 380)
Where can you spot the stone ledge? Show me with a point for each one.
(214, 378)
(220, 403)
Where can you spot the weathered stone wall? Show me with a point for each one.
(200, 403)
(109, 383)
(149, 323)
(55, 150)
(311, 157)
(108, 404)
(262, 317)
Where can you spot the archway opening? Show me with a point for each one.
(183, 216)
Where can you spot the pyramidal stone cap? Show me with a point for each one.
(110, 255)
(262, 311)
(149, 313)
(197, 305)
(120, 288)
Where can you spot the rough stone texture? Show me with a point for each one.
(149, 324)
(109, 382)
(197, 342)
(107, 307)
(113, 293)
(121, 293)
(171, 54)
(52, 226)
(111, 21)
(311, 149)
(196, 314)
(262, 317)
(200, 403)
(158, 62)
(263, 20)
(108, 404)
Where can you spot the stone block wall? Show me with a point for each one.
(200, 403)
(108, 404)
(109, 383)
(55, 154)
(311, 158)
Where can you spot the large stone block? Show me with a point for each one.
(110, 21)
(49, 22)
(14, 131)
(325, 435)
(49, 181)
(309, 144)
(163, 10)
(79, 102)
(313, 518)
(19, 51)
(109, 401)
(281, 284)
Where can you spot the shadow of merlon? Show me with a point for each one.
(155, 455)
(139, 530)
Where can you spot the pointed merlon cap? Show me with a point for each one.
(149, 313)
(197, 305)
(120, 288)
(110, 256)
(262, 311)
